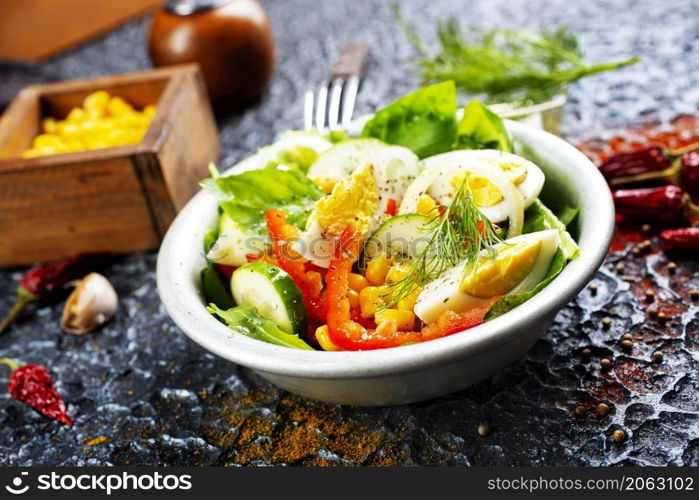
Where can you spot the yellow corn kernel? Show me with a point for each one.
(67, 130)
(408, 303)
(357, 282)
(76, 115)
(128, 120)
(45, 150)
(31, 153)
(324, 339)
(405, 320)
(425, 204)
(370, 300)
(49, 125)
(353, 299)
(95, 104)
(149, 111)
(118, 106)
(46, 140)
(377, 269)
(397, 272)
(74, 144)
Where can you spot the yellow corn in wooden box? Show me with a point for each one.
(117, 199)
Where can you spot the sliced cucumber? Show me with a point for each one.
(342, 159)
(403, 236)
(233, 245)
(273, 293)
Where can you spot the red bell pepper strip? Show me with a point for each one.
(308, 282)
(352, 336)
(32, 385)
(391, 208)
(226, 271)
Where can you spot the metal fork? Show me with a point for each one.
(330, 104)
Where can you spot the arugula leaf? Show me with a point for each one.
(247, 321)
(423, 121)
(539, 217)
(245, 197)
(509, 302)
(480, 128)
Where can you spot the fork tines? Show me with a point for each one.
(329, 105)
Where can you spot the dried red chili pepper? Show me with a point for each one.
(642, 161)
(32, 385)
(686, 238)
(665, 204)
(655, 163)
(689, 172)
(46, 282)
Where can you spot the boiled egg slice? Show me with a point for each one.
(353, 201)
(394, 168)
(496, 196)
(524, 174)
(514, 266)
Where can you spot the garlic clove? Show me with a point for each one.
(90, 305)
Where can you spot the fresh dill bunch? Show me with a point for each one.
(505, 66)
(454, 233)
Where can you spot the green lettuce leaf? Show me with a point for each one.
(247, 321)
(539, 217)
(424, 121)
(509, 302)
(567, 214)
(480, 128)
(215, 288)
(245, 197)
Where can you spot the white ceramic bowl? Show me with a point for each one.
(410, 373)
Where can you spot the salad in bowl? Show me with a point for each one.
(426, 225)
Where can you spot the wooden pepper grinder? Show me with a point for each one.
(230, 39)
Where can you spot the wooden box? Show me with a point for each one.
(119, 199)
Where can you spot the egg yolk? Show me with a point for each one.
(498, 275)
(484, 192)
(353, 201)
(516, 172)
(325, 183)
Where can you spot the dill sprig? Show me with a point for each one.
(454, 233)
(504, 66)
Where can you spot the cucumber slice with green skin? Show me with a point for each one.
(342, 159)
(273, 293)
(403, 236)
(232, 245)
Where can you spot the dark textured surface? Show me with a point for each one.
(142, 393)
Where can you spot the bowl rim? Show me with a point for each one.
(178, 292)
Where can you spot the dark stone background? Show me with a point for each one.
(142, 393)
